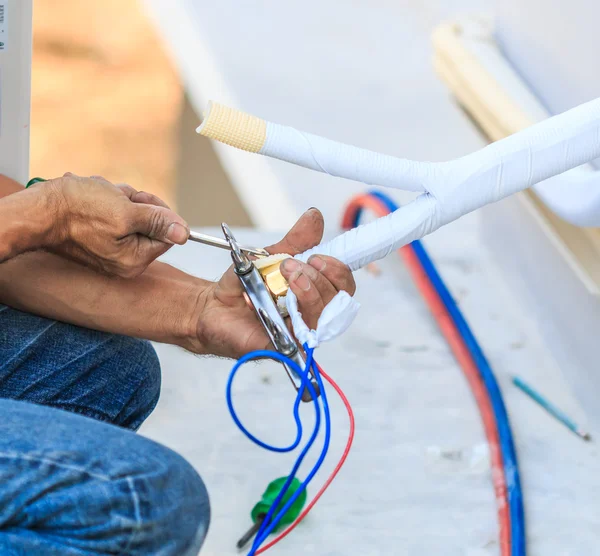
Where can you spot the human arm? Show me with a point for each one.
(26, 222)
(164, 304)
(88, 220)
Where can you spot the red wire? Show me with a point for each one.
(462, 355)
(333, 474)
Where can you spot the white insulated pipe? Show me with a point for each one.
(450, 189)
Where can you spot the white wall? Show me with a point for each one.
(15, 88)
(554, 44)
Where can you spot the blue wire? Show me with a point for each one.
(304, 383)
(262, 354)
(270, 524)
(260, 538)
(511, 468)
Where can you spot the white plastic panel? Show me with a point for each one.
(554, 45)
(15, 87)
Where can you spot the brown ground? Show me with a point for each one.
(106, 99)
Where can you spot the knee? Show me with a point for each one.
(176, 510)
(140, 368)
(193, 509)
(145, 367)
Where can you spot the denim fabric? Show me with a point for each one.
(71, 482)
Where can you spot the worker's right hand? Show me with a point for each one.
(109, 228)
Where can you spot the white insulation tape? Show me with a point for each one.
(449, 189)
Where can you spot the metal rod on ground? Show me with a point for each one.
(251, 532)
(552, 409)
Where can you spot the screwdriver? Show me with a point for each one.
(261, 509)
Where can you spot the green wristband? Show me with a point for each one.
(34, 181)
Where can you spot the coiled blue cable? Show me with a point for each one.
(509, 456)
(270, 522)
(266, 354)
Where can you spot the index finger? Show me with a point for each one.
(141, 197)
(146, 198)
(148, 250)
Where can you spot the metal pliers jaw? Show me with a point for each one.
(267, 312)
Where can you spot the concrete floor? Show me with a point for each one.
(418, 479)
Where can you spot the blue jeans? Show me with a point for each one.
(74, 477)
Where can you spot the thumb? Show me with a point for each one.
(306, 233)
(159, 223)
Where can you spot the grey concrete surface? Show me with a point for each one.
(417, 481)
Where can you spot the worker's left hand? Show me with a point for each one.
(227, 325)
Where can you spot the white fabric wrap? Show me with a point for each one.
(450, 189)
(334, 320)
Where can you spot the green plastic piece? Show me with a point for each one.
(268, 497)
(34, 181)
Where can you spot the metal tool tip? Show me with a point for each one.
(307, 396)
(227, 233)
(586, 436)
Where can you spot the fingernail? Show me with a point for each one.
(177, 234)
(317, 262)
(291, 265)
(301, 281)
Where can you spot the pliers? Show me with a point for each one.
(268, 314)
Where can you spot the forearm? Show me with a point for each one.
(163, 304)
(25, 222)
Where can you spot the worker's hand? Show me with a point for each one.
(114, 229)
(228, 327)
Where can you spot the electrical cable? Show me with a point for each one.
(334, 473)
(275, 356)
(381, 205)
(305, 383)
(262, 535)
(462, 355)
(511, 467)
(270, 522)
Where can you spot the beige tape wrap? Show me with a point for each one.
(234, 128)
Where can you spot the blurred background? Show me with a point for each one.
(107, 100)
(118, 87)
(105, 93)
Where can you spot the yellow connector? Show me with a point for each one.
(269, 270)
(276, 283)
